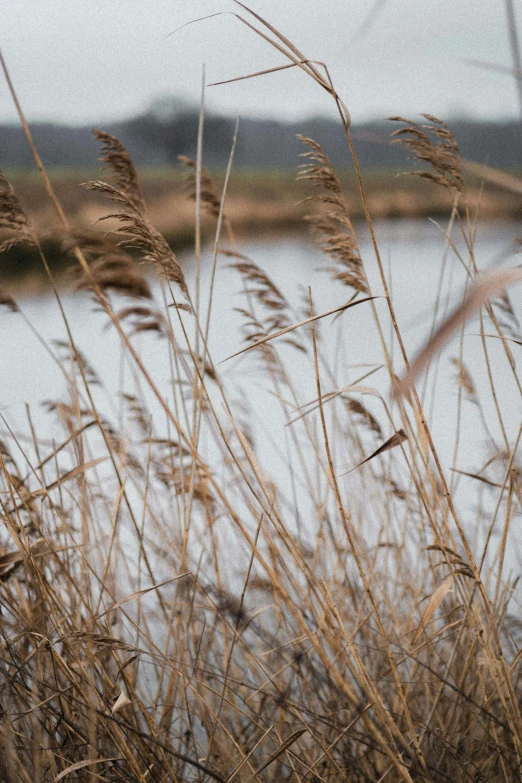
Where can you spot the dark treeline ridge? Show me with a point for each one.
(156, 139)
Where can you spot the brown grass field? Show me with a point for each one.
(169, 610)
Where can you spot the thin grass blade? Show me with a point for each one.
(287, 329)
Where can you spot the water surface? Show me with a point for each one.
(413, 253)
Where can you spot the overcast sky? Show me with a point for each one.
(86, 61)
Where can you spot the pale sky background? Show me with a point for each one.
(85, 61)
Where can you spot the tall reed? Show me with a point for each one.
(172, 607)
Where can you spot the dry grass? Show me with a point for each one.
(173, 609)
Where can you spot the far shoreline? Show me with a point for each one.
(265, 204)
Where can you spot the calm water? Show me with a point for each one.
(412, 252)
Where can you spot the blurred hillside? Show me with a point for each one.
(263, 198)
(168, 129)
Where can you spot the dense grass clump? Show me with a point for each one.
(173, 608)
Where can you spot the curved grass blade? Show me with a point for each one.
(81, 764)
(396, 439)
(281, 749)
(296, 326)
(487, 286)
(139, 593)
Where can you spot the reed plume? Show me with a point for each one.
(332, 227)
(110, 267)
(120, 167)
(135, 230)
(13, 218)
(209, 191)
(434, 144)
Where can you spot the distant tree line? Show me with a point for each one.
(169, 128)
